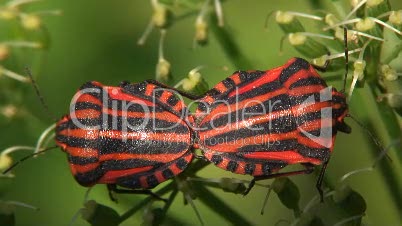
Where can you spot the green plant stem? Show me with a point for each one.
(220, 207)
(386, 129)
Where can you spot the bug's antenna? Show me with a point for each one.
(345, 39)
(41, 99)
(27, 157)
(373, 138)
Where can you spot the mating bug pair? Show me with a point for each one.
(139, 135)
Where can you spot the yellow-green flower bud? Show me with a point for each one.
(31, 22)
(8, 13)
(195, 83)
(288, 22)
(388, 73)
(161, 16)
(201, 31)
(359, 66)
(306, 45)
(368, 26)
(163, 70)
(5, 162)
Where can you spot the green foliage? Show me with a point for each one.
(94, 40)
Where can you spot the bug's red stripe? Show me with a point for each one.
(159, 176)
(81, 133)
(220, 87)
(242, 104)
(178, 107)
(291, 157)
(85, 97)
(243, 124)
(117, 134)
(273, 75)
(82, 152)
(149, 90)
(165, 96)
(83, 168)
(166, 116)
(117, 94)
(87, 113)
(111, 176)
(163, 158)
(316, 124)
(302, 90)
(143, 182)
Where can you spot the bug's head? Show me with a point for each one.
(340, 111)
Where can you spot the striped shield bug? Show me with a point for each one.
(258, 122)
(134, 136)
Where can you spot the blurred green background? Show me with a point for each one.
(96, 40)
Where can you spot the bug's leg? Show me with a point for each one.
(309, 169)
(320, 179)
(113, 187)
(183, 93)
(110, 189)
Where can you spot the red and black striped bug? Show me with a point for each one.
(134, 136)
(257, 122)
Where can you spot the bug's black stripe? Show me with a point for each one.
(249, 169)
(78, 142)
(90, 84)
(214, 93)
(131, 181)
(277, 126)
(182, 163)
(270, 145)
(130, 124)
(324, 132)
(139, 91)
(92, 89)
(152, 181)
(136, 89)
(133, 106)
(267, 166)
(128, 164)
(110, 146)
(167, 173)
(308, 81)
(322, 154)
(280, 102)
(297, 65)
(216, 159)
(82, 160)
(246, 77)
(89, 178)
(87, 105)
(173, 100)
(232, 166)
(86, 122)
(257, 91)
(228, 83)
